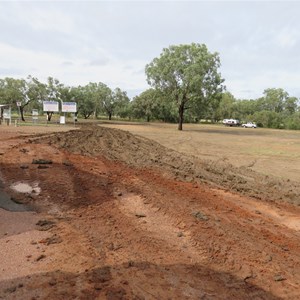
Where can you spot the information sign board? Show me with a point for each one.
(50, 106)
(69, 107)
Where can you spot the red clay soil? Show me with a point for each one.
(116, 219)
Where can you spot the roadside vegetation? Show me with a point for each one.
(185, 86)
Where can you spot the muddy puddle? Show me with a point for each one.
(7, 203)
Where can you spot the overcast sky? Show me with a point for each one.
(79, 42)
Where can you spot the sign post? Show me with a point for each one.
(19, 110)
(35, 115)
(50, 106)
(69, 107)
(7, 115)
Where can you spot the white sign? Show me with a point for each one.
(6, 113)
(35, 114)
(62, 120)
(69, 107)
(50, 106)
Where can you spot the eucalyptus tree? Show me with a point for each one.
(188, 74)
(85, 98)
(53, 89)
(225, 108)
(114, 102)
(98, 94)
(90, 98)
(291, 105)
(21, 91)
(3, 91)
(122, 107)
(11, 90)
(146, 105)
(274, 99)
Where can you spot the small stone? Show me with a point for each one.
(52, 282)
(11, 289)
(269, 258)
(42, 161)
(98, 287)
(67, 163)
(279, 277)
(130, 264)
(200, 216)
(41, 257)
(43, 167)
(140, 215)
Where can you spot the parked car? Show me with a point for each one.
(249, 125)
(231, 122)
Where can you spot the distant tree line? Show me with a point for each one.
(92, 99)
(185, 87)
(276, 109)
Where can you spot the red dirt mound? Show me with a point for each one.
(116, 220)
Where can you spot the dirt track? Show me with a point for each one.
(125, 218)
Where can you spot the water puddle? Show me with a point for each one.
(7, 203)
(26, 188)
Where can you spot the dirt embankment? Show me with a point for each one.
(140, 152)
(121, 217)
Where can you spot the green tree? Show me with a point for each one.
(23, 91)
(12, 90)
(90, 98)
(187, 73)
(274, 99)
(225, 108)
(122, 108)
(293, 121)
(290, 105)
(244, 109)
(269, 119)
(114, 102)
(146, 105)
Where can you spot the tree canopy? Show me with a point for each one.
(188, 74)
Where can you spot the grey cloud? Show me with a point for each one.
(252, 38)
(99, 62)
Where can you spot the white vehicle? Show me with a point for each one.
(249, 125)
(231, 122)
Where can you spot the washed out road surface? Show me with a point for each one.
(117, 216)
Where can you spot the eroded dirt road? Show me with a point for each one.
(110, 226)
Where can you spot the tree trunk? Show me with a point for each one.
(22, 113)
(180, 115)
(109, 116)
(148, 118)
(49, 115)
